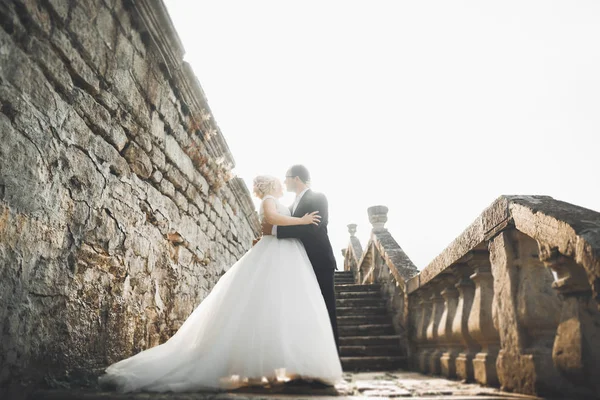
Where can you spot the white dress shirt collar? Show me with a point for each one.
(298, 198)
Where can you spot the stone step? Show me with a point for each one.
(358, 295)
(382, 340)
(365, 330)
(362, 319)
(360, 303)
(381, 363)
(370, 351)
(343, 281)
(344, 273)
(366, 310)
(357, 288)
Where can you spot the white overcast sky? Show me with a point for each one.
(432, 108)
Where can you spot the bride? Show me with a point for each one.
(264, 322)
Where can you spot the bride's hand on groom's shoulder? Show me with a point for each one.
(256, 241)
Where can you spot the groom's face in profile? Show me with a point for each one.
(290, 182)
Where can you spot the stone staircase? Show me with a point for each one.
(367, 338)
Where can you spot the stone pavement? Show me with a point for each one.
(373, 385)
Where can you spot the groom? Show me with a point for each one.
(314, 237)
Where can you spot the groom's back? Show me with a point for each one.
(317, 245)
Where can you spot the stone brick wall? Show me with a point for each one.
(117, 211)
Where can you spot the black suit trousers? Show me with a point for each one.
(325, 278)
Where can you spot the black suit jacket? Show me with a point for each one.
(315, 238)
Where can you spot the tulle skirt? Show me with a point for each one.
(265, 320)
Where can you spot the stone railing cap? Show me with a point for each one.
(535, 216)
(352, 229)
(377, 216)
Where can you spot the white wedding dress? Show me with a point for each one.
(264, 320)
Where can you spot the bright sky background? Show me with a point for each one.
(433, 108)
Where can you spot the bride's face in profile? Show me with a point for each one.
(278, 190)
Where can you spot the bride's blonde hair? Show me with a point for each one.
(264, 185)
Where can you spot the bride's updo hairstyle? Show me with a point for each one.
(264, 185)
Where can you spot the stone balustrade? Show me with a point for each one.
(512, 302)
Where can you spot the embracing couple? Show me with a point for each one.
(269, 320)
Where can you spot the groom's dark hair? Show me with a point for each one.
(301, 172)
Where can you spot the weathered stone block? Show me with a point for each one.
(157, 130)
(167, 188)
(49, 61)
(144, 140)
(212, 230)
(61, 8)
(176, 178)
(37, 15)
(24, 76)
(158, 159)
(108, 101)
(156, 176)
(97, 117)
(201, 183)
(77, 67)
(177, 156)
(181, 201)
(105, 153)
(138, 160)
(129, 95)
(107, 28)
(117, 137)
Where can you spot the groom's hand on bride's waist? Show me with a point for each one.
(267, 228)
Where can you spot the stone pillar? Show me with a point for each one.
(377, 218)
(451, 341)
(424, 347)
(576, 349)
(538, 304)
(460, 325)
(437, 310)
(348, 263)
(525, 309)
(481, 325)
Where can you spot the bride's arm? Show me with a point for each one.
(317, 202)
(272, 217)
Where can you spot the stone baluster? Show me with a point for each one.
(424, 346)
(437, 303)
(450, 341)
(365, 272)
(460, 325)
(415, 310)
(351, 266)
(481, 324)
(576, 349)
